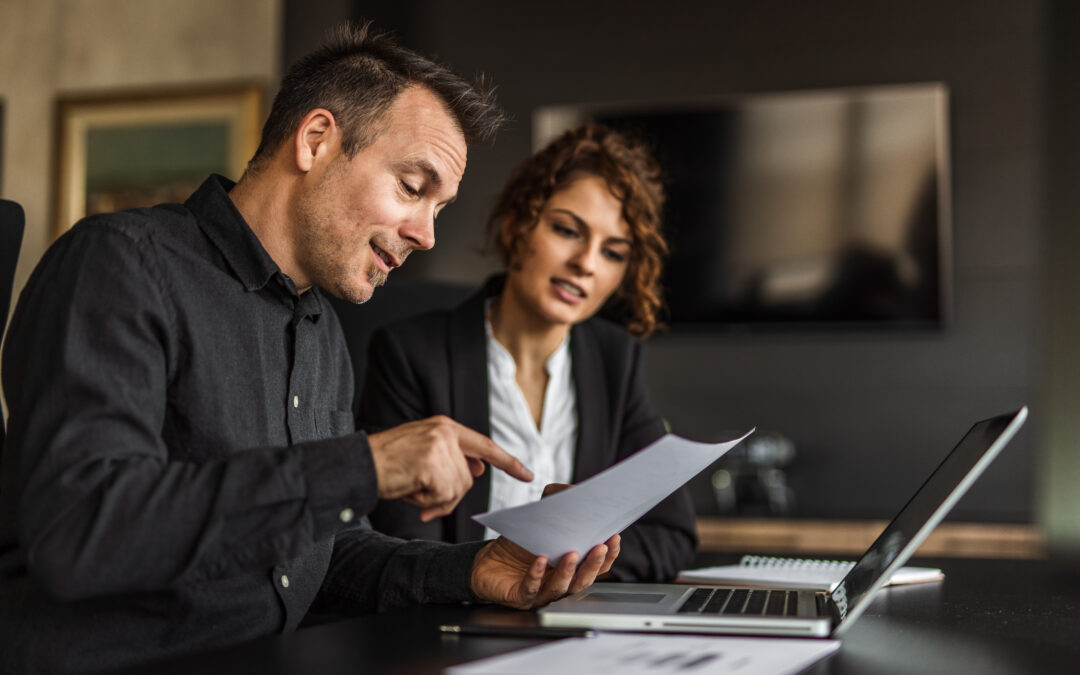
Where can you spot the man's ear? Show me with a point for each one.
(314, 138)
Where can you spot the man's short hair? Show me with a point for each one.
(357, 74)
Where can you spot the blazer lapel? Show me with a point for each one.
(591, 455)
(469, 403)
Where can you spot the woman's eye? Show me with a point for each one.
(564, 230)
(614, 256)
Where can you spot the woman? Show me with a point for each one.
(527, 362)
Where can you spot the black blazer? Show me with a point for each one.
(436, 363)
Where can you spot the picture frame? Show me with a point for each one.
(1, 146)
(126, 149)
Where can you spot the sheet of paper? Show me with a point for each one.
(586, 514)
(623, 654)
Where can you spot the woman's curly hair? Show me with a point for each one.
(633, 176)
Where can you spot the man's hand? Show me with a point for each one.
(554, 488)
(505, 573)
(431, 463)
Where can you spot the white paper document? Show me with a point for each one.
(622, 654)
(586, 514)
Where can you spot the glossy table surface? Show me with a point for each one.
(988, 616)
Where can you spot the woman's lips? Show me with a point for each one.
(568, 291)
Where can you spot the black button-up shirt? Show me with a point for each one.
(181, 470)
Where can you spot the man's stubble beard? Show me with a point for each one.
(324, 254)
(376, 277)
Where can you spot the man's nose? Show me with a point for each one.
(419, 231)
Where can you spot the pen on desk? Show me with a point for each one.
(516, 631)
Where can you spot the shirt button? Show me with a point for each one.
(284, 581)
(296, 401)
(346, 515)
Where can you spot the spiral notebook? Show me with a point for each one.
(796, 573)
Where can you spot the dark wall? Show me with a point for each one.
(1060, 461)
(870, 412)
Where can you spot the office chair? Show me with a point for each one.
(12, 222)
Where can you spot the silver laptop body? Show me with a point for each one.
(777, 611)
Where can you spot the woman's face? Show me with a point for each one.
(575, 257)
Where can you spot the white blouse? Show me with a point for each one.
(549, 450)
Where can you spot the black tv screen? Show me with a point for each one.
(810, 208)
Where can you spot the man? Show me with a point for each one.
(182, 470)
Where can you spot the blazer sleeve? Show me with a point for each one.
(663, 542)
(393, 395)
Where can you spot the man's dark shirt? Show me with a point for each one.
(181, 471)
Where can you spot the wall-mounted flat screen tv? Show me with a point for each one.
(795, 209)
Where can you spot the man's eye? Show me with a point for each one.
(409, 190)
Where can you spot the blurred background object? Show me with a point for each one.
(750, 480)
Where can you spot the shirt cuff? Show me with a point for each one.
(342, 485)
(448, 577)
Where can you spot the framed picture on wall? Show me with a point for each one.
(1, 147)
(121, 150)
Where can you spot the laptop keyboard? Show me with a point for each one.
(754, 602)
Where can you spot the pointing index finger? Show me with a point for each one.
(474, 444)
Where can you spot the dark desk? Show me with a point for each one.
(987, 617)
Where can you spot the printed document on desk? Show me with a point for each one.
(586, 514)
(623, 654)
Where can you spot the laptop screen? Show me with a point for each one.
(925, 510)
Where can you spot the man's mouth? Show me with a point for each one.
(571, 288)
(387, 259)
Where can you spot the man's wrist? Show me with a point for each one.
(383, 471)
(450, 577)
(341, 481)
(474, 574)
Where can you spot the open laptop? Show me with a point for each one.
(777, 611)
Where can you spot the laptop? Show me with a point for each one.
(680, 608)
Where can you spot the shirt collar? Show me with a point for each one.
(229, 232)
(226, 228)
(498, 357)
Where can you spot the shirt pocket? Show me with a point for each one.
(331, 423)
